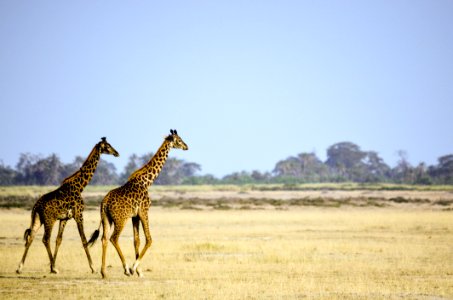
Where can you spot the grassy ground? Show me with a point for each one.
(324, 253)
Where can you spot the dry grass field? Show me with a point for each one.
(308, 252)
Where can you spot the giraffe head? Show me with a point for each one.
(175, 141)
(105, 148)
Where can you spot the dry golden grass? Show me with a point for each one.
(347, 253)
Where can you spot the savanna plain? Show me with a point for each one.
(248, 243)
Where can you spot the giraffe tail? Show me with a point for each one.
(28, 230)
(96, 233)
(94, 236)
(27, 234)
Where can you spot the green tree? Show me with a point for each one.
(242, 177)
(403, 172)
(201, 179)
(305, 167)
(443, 171)
(260, 177)
(345, 160)
(421, 174)
(35, 170)
(8, 176)
(290, 167)
(313, 169)
(376, 169)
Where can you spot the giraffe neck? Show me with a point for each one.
(149, 172)
(82, 177)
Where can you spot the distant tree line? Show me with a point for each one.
(37, 170)
(345, 162)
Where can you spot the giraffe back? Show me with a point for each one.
(126, 200)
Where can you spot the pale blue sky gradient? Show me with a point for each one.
(245, 83)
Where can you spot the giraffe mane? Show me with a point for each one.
(69, 178)
(138, 172)
(143, 169)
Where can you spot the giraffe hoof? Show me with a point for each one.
(127, 272)
(19, 268)
(54, 271)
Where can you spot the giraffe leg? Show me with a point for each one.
(144, 219)
(84, 242)
(135, 225)
(46, 240)
(34, 228)
(114, 239)
(57, 244)
(105, 227)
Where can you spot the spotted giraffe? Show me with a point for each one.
(132, 201)
(64, 204)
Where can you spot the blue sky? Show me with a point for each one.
(245, 83)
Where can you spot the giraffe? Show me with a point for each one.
(64, 204)
(132, 201)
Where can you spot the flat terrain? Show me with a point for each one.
(346, 252)
(250, 197)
